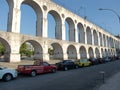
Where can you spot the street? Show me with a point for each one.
(85, 78)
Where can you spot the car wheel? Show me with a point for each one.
(82, 65)
(76, 67)
(7, 77)
(65, 68)
(33, 73)
(53, 70)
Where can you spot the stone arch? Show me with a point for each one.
(71, 30)
(39, 15)
(38, 50)
(89, 35)
(95, 35)
(83, 53)
(58, 51)
(90, 51)
(7, 49)
(97, 52)
(71, 51)
(81, 34)
(58, 24)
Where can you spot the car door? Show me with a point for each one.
(70, 65)
(47, 67)
(1, 72)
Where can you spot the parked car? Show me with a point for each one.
(107, 59)
(100, 60)
(66, 65)
(83, 62)
(7, 74)
(37, 68)
(94, 61)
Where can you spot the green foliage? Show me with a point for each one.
(25, 51)
(50, 51)
(2, 49)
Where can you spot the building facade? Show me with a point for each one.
(85, 38)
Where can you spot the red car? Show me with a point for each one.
(36, 68)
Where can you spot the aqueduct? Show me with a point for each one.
(85, 38)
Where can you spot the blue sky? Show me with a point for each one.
(106, 19)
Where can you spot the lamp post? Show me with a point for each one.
(111, 11)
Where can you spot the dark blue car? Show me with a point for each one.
(66, 65)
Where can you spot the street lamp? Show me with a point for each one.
(111, 11)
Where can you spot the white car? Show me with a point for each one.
(7, 74)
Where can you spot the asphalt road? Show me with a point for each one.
(78, 79)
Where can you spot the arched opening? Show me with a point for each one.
(83, 53)
(89, 36)
(109, 52)
(97, 53)
(91, 54)
(71, 30)
(3, 15)
(102, 52)
(54, 25)
(55, 52)
(104, 40)
(100, 37)
(95, 37)
(31, 50)
(5, 50)
(111, 43)
(66, 31)
(31, 11)
(107, 43)
(72, 53)
(106, 53)
(81, 34)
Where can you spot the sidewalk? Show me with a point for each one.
(23, 62)
(113, 83)
(15, 64)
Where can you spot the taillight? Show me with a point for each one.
(21, 67)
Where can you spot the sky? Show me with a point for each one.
(105, 19)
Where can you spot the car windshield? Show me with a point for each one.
(83, 60)
(66, 61)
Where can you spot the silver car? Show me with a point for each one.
(7, 74)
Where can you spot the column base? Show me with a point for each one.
(12, 57)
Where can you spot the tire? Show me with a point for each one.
(53, 70)
(82, 65)
(65, 68)
(76, 67)
(33, 73)
(7, 77)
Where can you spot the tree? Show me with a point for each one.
(25, 51)
(2, 49)
(50, 51)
